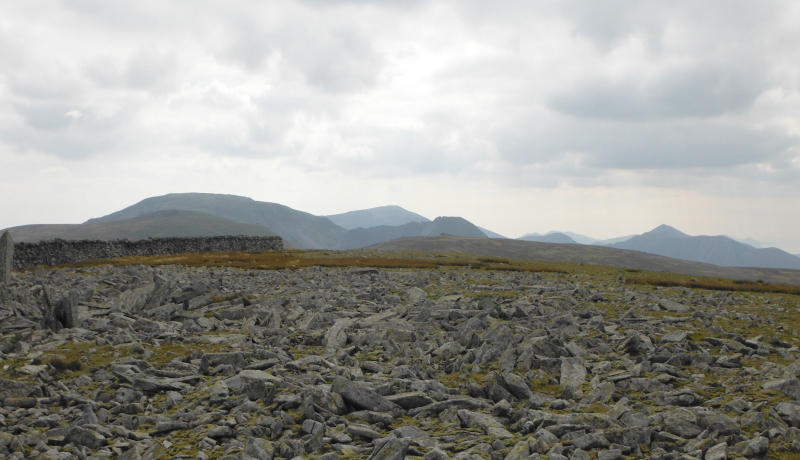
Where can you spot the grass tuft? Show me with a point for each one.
(62, 366)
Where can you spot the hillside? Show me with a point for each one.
(361, 237)
(556, 237)
(718, 250)
(298, 228)
(585, 254)
(159, 224)
(374, 217)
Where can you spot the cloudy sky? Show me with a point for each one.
(603, 118)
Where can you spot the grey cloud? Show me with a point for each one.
(409, 152)
(45, 116)
(53, 82)
(249, 46)
(149, 68)
(344, 62)
(11, 51)
(608, 24)
(67, 131)
(666, 145)
(145, 69)
(327, 57)
(704, 89)
(381, 3)
(258, 139)
(105, 70)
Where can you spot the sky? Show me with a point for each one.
(602, 118)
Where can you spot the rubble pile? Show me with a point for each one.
(174, 362)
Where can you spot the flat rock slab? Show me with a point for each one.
(248, 376)
(458, 403)
(410, 400)
(85, 437)
(14, 389)
(717, 452)
(157, 385)
(363, 397)
(789, 387)
(730, 344)
(394, 449)
(336, 338)
(675, 307)
(259, 449)
(674, 337)
(516, 385)
(489, 424)
(573, 372)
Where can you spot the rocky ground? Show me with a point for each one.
(348, 363)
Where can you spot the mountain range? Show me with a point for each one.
(718, 250)
(205, 214)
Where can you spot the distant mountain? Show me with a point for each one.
(549, 238)
(374, 217)
(748, 241)
(491, 234)
(301, 229)
(580, 239)
(719, 250)
(609, 241)
(161, 224)
(456, 226)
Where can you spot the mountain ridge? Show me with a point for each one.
(301, 229)
(718, 250)
(361, 237)
(555, 237)
(391, 215)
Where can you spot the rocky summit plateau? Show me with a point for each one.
(143, 362)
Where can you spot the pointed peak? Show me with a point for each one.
(665, 231)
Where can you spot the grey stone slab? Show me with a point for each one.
(6, 257)
(362, 397)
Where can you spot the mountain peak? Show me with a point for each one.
(665, 231)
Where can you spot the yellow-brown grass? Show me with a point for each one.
(715, 284)
(297, 259)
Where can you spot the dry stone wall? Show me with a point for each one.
(57, 252)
